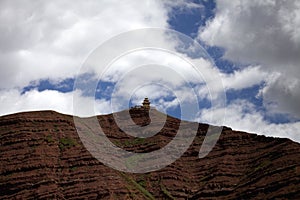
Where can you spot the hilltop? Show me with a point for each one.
(41, 156)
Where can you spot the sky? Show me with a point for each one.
(252, 47)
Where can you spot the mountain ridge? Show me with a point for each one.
(42, 157)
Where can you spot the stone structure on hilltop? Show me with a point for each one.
(146, 104)
(140, 113)
(144, 107)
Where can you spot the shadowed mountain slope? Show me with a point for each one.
(41, 156)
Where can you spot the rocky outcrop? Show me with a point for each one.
(41, 156)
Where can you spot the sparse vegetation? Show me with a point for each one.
(73, 168)
(136, 141)
(56, 129)
(262, 165)
(142, 183)
(49, 138)
(145, 192)
(66, 143)
(166, 192)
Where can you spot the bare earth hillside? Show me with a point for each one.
(42, 157)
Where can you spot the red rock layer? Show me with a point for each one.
(42, 157)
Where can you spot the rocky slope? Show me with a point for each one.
(41, 156)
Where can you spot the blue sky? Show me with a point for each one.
(254, 46)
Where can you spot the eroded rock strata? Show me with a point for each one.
(42, 157)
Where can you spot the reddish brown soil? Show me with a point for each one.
(41, 156)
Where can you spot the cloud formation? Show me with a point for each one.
(11, 101)
(265, 33)
(242, 115)
(51, 39)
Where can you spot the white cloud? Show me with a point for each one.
(51, 39)
(245, 78)
(265, 33)
(163, 66)
(281, 94)
(242, 115)
(11, 101)
(238, 80)
(140, 63)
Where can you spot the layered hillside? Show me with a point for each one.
(42, 157)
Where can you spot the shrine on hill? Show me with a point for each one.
(146, 104)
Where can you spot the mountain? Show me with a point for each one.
(42, 157)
